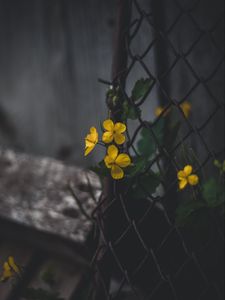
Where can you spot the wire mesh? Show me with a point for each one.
(143, 253)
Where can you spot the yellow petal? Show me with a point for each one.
(120, 127)
(188, 170)
(193, 180)
(107, 137)
(109, 162)
(186, 108)
(108, 125)
(88, 150)
(119, 138)
(117, 173)
(7, 273)
(181, 175)
(92, 136)
(91, 140)
(182, 184)
(13, 265)
(113, 152)
(123, 160)
(158, 111)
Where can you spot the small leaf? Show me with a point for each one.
(171, 134)
(185, 211)
(213, 193)
(149, 182)
(130, 112)
(139, 164)
(142, 87)
(100, 169)
(147, 145)
(144, 186)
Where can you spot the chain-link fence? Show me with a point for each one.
(152, 247)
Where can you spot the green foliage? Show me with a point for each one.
(148, 183)
(144, 186)
(213, 193)
(186, 210)
(147, 145)
(137, 166)
(141, 88)
(130, 112)
(100, 169)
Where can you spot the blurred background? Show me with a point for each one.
(52, 53)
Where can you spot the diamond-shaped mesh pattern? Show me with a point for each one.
(142, 254)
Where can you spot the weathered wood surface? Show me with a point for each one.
(35, 192)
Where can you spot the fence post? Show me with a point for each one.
(119, 67)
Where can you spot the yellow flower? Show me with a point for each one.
(114, 132)
(91, 140)
(186, 108)
(116, 162)
(9, 269)
(186, 177)
(159, 110)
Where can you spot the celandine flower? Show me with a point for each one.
(116, 162)
(186, 108)
(9, 269)
(186, 177)
(91, 140)
(114, 132)
(159, 110)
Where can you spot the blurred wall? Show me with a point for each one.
(52, 53)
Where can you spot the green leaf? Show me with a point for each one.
(130, 112)
(149, 182)
(213, 193)
(141, 88)
(185, 211)
(144, 186)
(139, 164)
(171, 134)
(100, 169)
(147, 145)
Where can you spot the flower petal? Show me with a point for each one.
(181, 175)
(89, 149)
(123, 160)
(117, 173)
(158, 111)
(182, 184)
(13, 265)
(186, 108)
(7, 273)
(108, 125)
(113, 152)
(188, 170)
(109, 161)
(193, 180)
(119, 138)
(107, 137)
(93, 131)
(120, 127)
